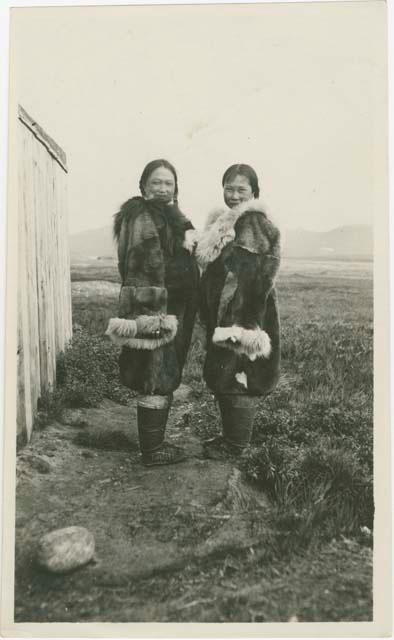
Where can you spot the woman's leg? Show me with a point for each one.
(152, 416)
(237, 413)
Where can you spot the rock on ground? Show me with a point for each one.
(65, 549)
(144, 520)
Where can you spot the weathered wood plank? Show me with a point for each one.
(48, 142)
(21, 409)
(44, 287)
(31, 292)
(58, 234)
(24, 395)
(66, 257)
(51, 261)
(42, 242)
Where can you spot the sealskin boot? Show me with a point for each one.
(152, 416)
(237, 412)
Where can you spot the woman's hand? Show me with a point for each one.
(191, 239)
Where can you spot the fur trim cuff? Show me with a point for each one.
(143, 332)
(191, 239)
(154, 402)
(253, 343)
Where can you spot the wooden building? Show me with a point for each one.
(44, 288)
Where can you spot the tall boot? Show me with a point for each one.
(237, 413)
(152, 416)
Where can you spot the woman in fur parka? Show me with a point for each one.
(239, 254)
(157, 304)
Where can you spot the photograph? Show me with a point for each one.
(197, 267)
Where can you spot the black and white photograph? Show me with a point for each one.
(196, 420)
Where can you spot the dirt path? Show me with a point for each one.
(145, 521)
(189, 542)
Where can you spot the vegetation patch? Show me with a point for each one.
(313, 441)
(87, 372)
(312, 454)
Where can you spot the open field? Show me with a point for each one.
(313, 435)
(311, 459)
(324, 401)
(343, 288)
(106, 268)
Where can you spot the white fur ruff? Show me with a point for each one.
(253, 343)
(143, 332)
(219, 230)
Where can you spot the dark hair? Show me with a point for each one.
(246, 171)
(151, 167)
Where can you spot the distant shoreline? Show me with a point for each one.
(332, 258)
(329, 258)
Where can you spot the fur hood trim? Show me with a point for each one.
(138, 205)
(253, 343)
(143, 332)
(219, 229)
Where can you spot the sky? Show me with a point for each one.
(295, 90)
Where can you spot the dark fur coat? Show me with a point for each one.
(159, 294)
(239, 253)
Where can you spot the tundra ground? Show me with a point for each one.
(285, 534)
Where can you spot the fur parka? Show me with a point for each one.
(239, 254)
(159, 294)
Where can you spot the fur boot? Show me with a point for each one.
(237, 413)
(152, 416)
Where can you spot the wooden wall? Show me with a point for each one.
(44, 289)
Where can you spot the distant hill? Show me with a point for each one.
(347, 241)
(95, 242)
(352, 240)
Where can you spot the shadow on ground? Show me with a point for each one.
(189, 542)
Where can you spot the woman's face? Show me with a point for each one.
(160, 185)
(237, 190)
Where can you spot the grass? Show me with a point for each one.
(331, 584)
(312, 446)
(313, 437)
(87, 270)
(312, 450)
(311, 454)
